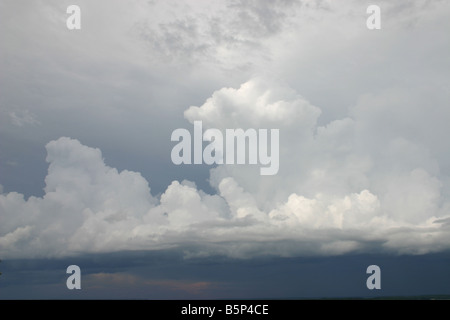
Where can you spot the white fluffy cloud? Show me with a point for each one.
(333, 193)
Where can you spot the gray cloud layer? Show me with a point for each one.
(362, 118)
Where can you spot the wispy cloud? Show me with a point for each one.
(23, 118)
(125, 280)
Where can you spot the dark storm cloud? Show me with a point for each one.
(166, 275)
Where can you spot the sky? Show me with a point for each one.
(87, 178)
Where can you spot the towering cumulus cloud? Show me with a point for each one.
(341, 187)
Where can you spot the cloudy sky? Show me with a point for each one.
(86, 175)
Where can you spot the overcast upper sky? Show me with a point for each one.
(86, 118)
